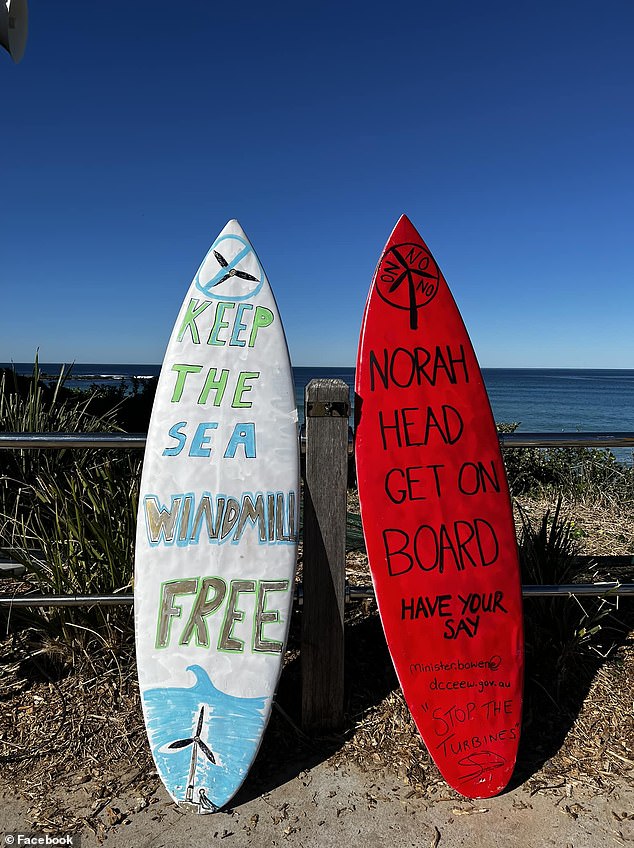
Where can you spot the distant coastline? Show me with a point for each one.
(539, 399)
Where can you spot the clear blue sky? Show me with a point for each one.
(131, 133)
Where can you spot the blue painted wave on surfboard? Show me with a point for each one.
(231, 730)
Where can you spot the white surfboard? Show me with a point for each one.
(217, 529)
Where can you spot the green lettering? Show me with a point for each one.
(182, 371)
(227, 641)
(189, 321)
(263, 318)
(169, 610)
(218, 385)
(242, 387)
(265, 616)
(202, 608)
(219, 324)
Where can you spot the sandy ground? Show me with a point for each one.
(332, 801)
(331, 804)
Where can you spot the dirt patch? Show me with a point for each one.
(73, 744)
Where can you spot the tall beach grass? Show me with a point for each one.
(68, 516)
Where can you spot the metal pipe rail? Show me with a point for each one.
(352, 593)
(59, 441)
(43, 441)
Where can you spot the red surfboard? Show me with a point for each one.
(438, 521)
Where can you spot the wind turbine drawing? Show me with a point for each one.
(197, 745)
(232, 272)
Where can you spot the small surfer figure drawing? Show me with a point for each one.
(204, 804)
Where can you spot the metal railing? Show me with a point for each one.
(137, 440)
(59, 441)
(43, 441)
(610, 589)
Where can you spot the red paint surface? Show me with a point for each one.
(438, 522)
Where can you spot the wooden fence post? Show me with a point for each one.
(325, 489)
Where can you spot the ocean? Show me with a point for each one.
(537, 399)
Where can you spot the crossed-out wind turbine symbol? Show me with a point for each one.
(414, 287)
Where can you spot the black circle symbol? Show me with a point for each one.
(407, 278)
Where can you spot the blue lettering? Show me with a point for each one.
(200, 439)
(238, 327)
(243, 434)
(176, 433)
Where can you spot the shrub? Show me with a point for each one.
(67, 515)
(558, 629)
(587, 473)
